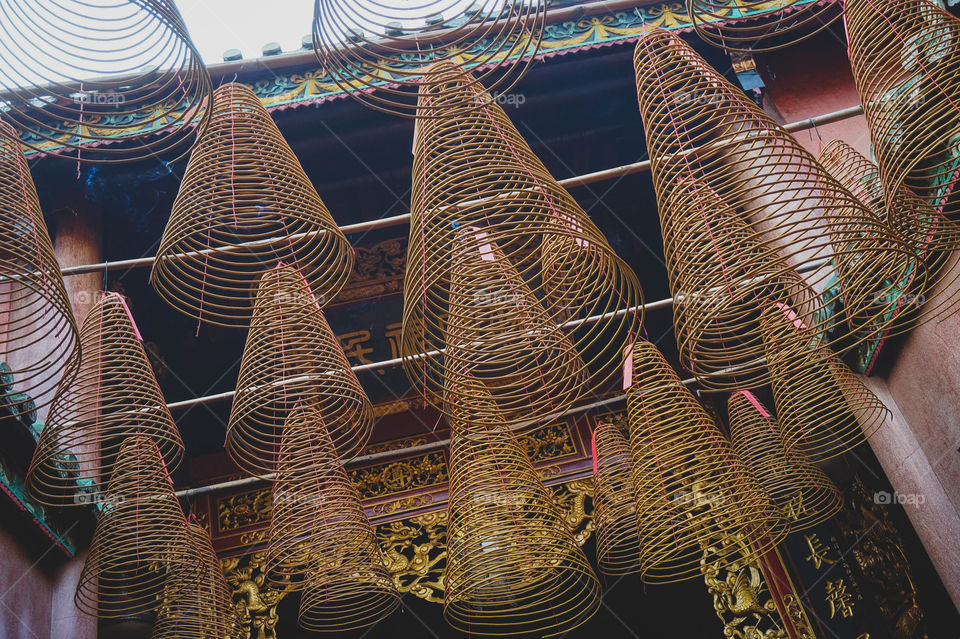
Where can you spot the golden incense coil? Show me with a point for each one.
(906, 65)
(113, 397)
(760, 25)
(244, 204)
(804, 492)
(320, 539)
(823, 408)
(292, 357)
(614, 502)
(513, 568)
(690, 484)
(379, 53)
(38, 336)
(141, 533)
(481, 196)
(102, 80)
(703, 130)
(197, 602)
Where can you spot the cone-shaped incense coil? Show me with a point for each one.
(498, 332)
(701, 128)
(379, 56)
(690, 485)
(803, 491)
(614, 503)
(928, 232)
(320, 539)
(474, 173)
(141, 533)
(906, 65)
(38, 337)
(823, 408)
(244, 204)
(197, 603)
(151, 90)
(720, 274)
(760, 25)
(113, 397)
(513, 568)
(292, 357)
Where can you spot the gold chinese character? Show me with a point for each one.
(795, 506)
(353, 345)
(818, 552)
(839, 599)
(393, 337)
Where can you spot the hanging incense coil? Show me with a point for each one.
(102, 80)
(932, 236)
(823, 408)
(197, 602)
(804, 492)
(292, 357)
(513, 568)
(702, 129)
(320, 539)
(906, 66)
(690, 485)
(38, 337)
(140, 534)
(493, 235)
(614, 502)
(244, 204)
(379, 53)
(113, 397)
(756, 26)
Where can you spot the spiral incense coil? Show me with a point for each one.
(513, 568)
(141, 533)
(690, 485)
(102, 80)
(755, 26)
(493, 235)
(906, 65)
(803, 491)
(113, 397)
(701, 129)
(719, 275)
(197, 602)
(379, 53)
(823, 408)
(929, 233)
(292, 357)
(38, 337)
(244, 204)
(614, 503)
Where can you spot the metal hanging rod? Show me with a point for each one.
(577, 180)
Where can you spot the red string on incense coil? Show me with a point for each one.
(493, 235)
(804, 492)
(513, 567)
(320, 539)
(614, 503)
(102, 80)
(690, 485)
(700, 129)
(141, 533)
(113, 397)
(244, 204)
(906, 65)
(760, 25)
(292, 357)
(38, 337)
(932, 236)
(196, 601)
(823, 408)
(379, 53)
